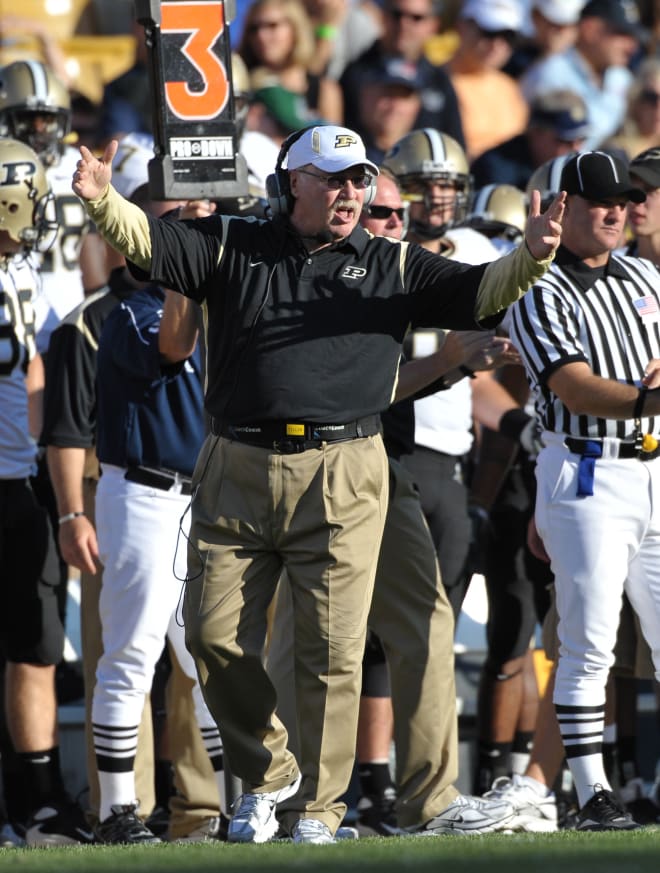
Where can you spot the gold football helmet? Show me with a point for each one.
(431, 168)
(24, 194)
(499, 211)
(546, 179)
(35, 108)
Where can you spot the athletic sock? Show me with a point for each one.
(43, 777)
(493, 761)
(581, 730)
(375, 778)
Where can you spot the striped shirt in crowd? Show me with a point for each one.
(608, 317)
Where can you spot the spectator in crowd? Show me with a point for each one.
(278, 39)
(558, 123)
(276, 112)
(597, 67)
(126, 105)
(323, 209)
(407, 25)
(390, 101)
(491, 104)
(32, 629)
(343, 29)
(641, 126)
(554, 24)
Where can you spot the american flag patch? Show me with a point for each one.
(646, 305)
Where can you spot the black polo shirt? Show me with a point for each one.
(313, 337)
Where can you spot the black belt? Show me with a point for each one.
(291, 437)
(581, 445)
(161, 479)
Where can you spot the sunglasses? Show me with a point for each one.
(507, 35)
(336, 183)
(399, 14)
(266, 25)
(384, 212)
(650, 96)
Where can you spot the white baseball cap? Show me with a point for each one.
(560, 12)
(330, 148)
(130, 166)
(494, 15)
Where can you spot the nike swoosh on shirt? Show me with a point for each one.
(254, 263)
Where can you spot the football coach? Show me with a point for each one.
(304, 318)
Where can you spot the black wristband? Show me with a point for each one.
(639, 403)
(513, 423)
(466, 371)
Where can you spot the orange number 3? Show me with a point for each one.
(205, 23)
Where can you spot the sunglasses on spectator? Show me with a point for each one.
(336, 183)
(650, 96)
(507, 35)
(265, 25)
(376, 210)
(399, 14)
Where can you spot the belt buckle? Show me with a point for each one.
(289, 446)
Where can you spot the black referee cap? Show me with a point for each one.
(599, 176)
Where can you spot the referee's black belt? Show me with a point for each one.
(291, 437)
(584, 446)
(164, 480)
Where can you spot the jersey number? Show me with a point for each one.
(16, 331)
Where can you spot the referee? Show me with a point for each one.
(304, 318)
(588, 334)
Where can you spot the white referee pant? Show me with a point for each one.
(143, 552)
(600, 545)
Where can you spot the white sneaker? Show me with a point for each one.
(312, 831)
(254, 820)
(534, 813)
(468, 815)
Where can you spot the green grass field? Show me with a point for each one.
(565, 852)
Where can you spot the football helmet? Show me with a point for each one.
(499, 211)
(24, 194)
(419, 161)
(35, 108)
(546, 179)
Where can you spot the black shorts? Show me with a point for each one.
(31, 629)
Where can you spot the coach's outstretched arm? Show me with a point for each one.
(506, 279)
(124, 225)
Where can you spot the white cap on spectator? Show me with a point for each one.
(494, 15)
(560, 12)
(130, 164)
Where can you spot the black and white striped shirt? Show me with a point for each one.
(608, 317)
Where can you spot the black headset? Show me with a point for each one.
(278, 189)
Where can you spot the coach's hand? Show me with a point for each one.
(543, 229)
(93, 174)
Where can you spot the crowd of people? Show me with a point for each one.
(278, 435)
